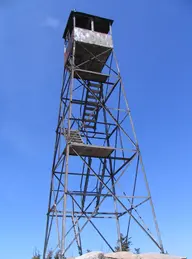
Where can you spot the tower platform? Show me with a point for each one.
(77, 147)
(90, 150)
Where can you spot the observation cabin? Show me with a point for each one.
(93, 39)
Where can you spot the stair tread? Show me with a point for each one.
(92, 103)
(90, 108)
(95, 91)
(89, 126)
(94, 85)
(91, 97)
(89, 120)
(89, 114)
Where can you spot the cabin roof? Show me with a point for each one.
(103, 22)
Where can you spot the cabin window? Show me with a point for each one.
(101, 26)
(83, 22)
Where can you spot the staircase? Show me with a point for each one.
(74, 136)
(91, 108)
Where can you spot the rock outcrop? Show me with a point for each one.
(126, 255)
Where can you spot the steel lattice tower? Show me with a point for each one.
(97, 169)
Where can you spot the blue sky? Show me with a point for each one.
(153, 45)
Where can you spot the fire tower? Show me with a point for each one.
(98, 182)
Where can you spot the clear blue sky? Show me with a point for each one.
(153, 42)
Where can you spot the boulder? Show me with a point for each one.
(120, 255)
(158, 256)
(91, 255)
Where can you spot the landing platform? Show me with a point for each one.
(90, 150)
(90, 75)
